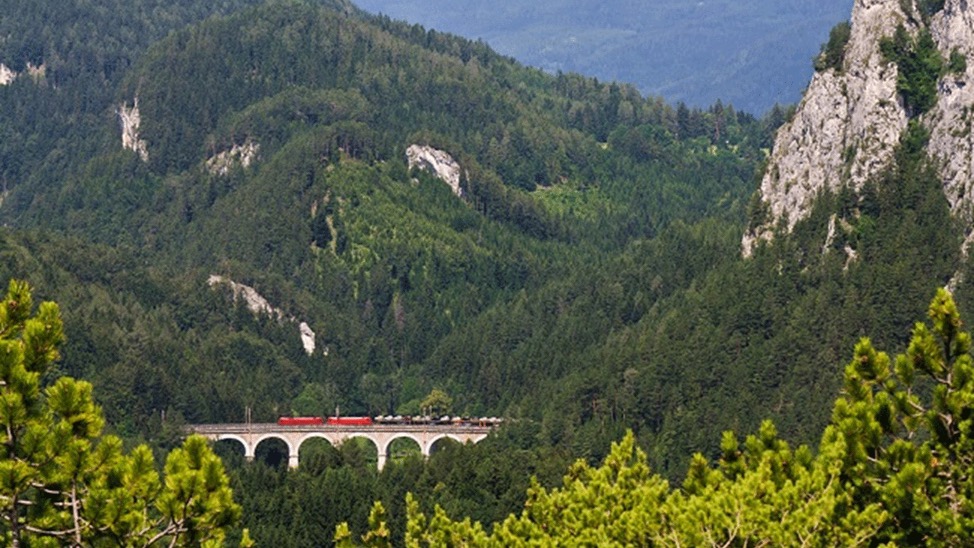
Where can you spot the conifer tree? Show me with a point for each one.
(62, 482)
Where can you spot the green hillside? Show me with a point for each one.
(560, 174)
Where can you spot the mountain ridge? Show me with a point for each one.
(749, 54)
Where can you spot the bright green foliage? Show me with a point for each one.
(765, 494)
(893, 468)
(62, 482)
(908, 426)
(343, 537)
(437, 402)
(616, 503)
(378, 535)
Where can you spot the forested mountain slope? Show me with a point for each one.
(559, 173)
(587, 278)
(62, 61)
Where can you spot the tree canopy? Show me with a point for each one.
(892, 468)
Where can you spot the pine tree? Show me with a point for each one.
(62, 482)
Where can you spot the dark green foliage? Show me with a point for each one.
(920, 68)
(833, 51)
(958, 63)
(486, 481)
(758, 212)
(925, 8)
(55, 123)
(930, 7)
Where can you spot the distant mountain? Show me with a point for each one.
(750, 53)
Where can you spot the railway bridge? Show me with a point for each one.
(250, 435)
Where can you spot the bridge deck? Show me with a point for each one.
(272, 427)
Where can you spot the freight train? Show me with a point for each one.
(388, 420)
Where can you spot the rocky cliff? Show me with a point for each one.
(243, 155)
(951, 120)
(6, 75)
(131, 121)
(437, 162)
(849, 122)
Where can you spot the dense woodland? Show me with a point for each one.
(588, 284)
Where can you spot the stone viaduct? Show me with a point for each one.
(381, 435)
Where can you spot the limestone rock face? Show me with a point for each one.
(131, 120)
(257, 304)
(307, 338)
(951, 121)
(845, 128)
(6, 75)
(245, 155)
(438, 163)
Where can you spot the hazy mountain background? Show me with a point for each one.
(750, 53)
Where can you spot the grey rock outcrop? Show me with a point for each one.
(131, 121)
(848, 114)
(244, 155)
(437, 162)
(848, 124)
(951, 121)
(6, 75)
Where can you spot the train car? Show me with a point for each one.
(300, 421)
(349, 421)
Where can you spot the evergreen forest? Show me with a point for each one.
(586, 284)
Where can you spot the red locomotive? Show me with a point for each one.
(300, 421)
